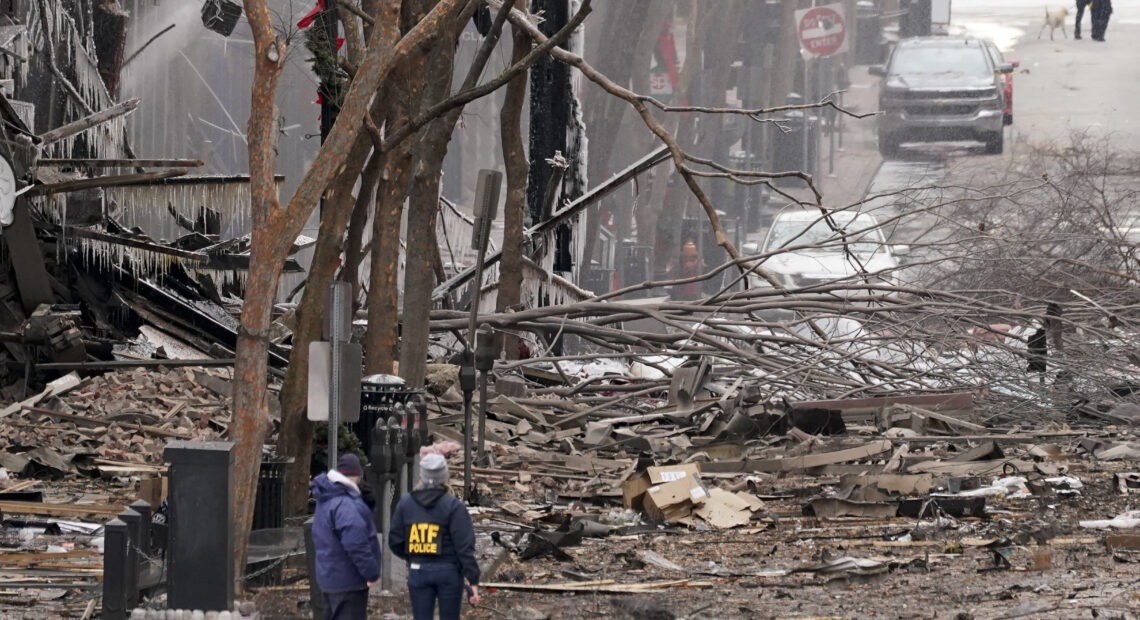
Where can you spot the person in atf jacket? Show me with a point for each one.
(344, 535)
(432, 532)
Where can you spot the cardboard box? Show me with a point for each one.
(634, 488)
(724, 509)
(670, 502)
(667, 493)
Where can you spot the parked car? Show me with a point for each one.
(941, 88)
(1007, 80)
(816, 254)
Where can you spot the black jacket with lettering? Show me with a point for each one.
(431, 525)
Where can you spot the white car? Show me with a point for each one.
(806, 250)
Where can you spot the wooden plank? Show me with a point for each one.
(20, 486)
(1018, 438)
(55, 387)
(801, 462)
(975, 468)
(590, 586)
(122, 163)
(75, 419)
(106, 181)
(1124, 542)
(59, 510)
(953, 401)
(87, 122)
(952, 421)
(515, 473)
(25, 558)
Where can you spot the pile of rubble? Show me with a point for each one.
(112, 424)
(696, 492)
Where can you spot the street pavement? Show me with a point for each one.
(1061, 87)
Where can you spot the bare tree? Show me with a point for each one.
(514, 211)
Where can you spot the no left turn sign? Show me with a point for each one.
(822, 30)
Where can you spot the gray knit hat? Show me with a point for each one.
(433, 470)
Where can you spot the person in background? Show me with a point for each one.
(433, 533)
(1100, 11)
(1081, 4)
(344, 535)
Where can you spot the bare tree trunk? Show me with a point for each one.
(712, 140)
(381, 347)
(423, 209)
(250, 417)
(366, 202)
(514, 212)
(296, 436)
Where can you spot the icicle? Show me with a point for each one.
(224, 278)
(140, 203)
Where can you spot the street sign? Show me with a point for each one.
(822, 31)
(320, 381)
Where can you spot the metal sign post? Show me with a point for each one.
(486, 352)
(339, 324)
(486, 206)
(334, 369)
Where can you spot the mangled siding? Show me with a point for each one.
(539, 288)
(73, 53)
(576, 181)
(14, 38)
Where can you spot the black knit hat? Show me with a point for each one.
(349, 465)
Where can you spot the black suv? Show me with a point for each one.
(941, 88)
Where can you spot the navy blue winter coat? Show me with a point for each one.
(344, 534)
(431, 525)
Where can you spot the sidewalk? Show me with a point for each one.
(858, 161)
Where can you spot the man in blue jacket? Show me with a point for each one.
(344, 534)
(432, 532)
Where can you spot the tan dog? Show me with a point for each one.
(1054, 19)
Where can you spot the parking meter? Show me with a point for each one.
(418, 406)
(467, 384)
(399, 439)
(378, 455)
(486, 349)
(486, 352)
(412, 453)
(386, 460)
(381, 456)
